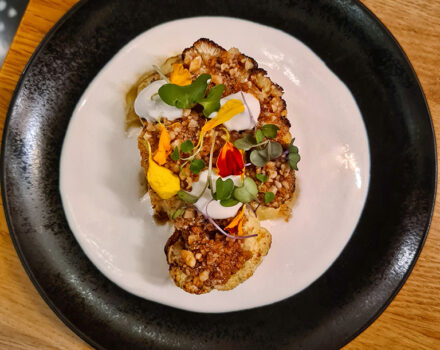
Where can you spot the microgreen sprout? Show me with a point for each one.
(159, 71)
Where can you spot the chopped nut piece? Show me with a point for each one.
(191, 240)
(189, 213)
(188, 258)
(204, 276)
(195, 64)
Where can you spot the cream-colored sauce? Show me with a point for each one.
(149, 105)
(215, 209)
(245, 120)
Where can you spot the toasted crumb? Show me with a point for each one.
(201, 259)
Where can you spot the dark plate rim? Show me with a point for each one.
(12, 234)
(390, 36)
(23, 259)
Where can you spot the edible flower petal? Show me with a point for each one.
(226, 112)
(230, 161)
(162, 180)
(164, 148)
(236, 225)
(180, 75)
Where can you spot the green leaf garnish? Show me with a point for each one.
(211, 103)
(197, 166)
(260, 157)
(269, 197)
(246, 142)
(185, 96)
(178, 212)
(228, 202)
(223, 189)
(261, 177)
(274, 150)
(270, 130)
(187, 197)
(247, 192)
(293, 156)
(259, 136)
(175, 155)
(293, 149)
(186, 146)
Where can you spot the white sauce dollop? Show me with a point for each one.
(215, 209)
(245, 120)
(153, 108)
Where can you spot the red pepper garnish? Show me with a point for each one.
(230, 161)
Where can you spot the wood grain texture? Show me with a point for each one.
(412, 321)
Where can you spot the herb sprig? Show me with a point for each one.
(188, 96)
(264, 149)
(293, 155)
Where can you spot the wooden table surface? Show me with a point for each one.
(412, 321)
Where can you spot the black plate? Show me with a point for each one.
(326, 315)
